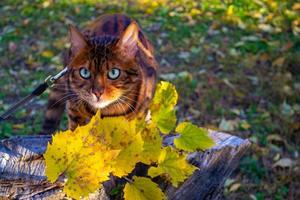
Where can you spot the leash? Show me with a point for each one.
(49, 82)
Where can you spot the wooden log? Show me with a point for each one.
(22, 169)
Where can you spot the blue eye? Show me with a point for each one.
(114, 73)
(85, 73)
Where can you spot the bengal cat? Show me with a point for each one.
(111, 68)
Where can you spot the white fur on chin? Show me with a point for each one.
(101, 104)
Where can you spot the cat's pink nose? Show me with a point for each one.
(98, 92)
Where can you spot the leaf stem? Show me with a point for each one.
(128, 180)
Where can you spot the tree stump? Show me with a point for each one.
(22, 169)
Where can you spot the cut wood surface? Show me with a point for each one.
(22, 169)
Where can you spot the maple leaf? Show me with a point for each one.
(152, 144)
(192, 138)
(78, 163)
(128, 157)
(116, 132)
(81, 154)
(142, 189)
(173, 166)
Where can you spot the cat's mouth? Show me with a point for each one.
(99, 103)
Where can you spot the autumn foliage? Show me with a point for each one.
(87, 156)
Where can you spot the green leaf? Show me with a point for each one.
(162, 107)
(142, 189)
(173, 166)
(165, 120)
(192, 138)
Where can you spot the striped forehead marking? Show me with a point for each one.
(101, 49)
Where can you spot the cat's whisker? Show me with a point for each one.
(78, 102)
(129, 106)
(65, 98)
(61, 100)
(119, 104)
(127, 98)
(64, 90)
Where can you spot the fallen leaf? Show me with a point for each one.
(266, 28)
(18, 126)
(279, 62)
(296, 6)
(274, 138)
(245, 125)
(47, 54)
(284, 163)
(227, 125)
(234, 187)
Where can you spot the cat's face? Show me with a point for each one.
(104, 70)
(114, 80)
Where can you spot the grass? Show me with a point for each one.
(235, 64)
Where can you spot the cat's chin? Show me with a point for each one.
(101, 104)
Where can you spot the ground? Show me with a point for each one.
(234, 63)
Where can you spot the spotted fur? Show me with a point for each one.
(111, 41)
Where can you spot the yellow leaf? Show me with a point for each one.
(46, 4)
(173, 166)
(84, 177)
(230, 10)
(47, 54)
(296, 6)
(117, 132)
(192, 138)
(128, 157)
(152, 145)
(279, 62)
(18, 126)
(142, 189)
(80, 155)
(195, 12)
(87, 156)
(245, 125)
(165, 95)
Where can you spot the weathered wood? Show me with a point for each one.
(22, 169)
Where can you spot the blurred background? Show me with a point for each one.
(235, 64)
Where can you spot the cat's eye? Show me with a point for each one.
(114, 73)
(85, 73)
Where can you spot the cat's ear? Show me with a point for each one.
(129, 40)
(77, 39)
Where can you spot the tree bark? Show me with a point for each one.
(22, 169)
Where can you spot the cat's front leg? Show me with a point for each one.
(75, 117)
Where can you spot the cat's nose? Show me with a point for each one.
(98, 92)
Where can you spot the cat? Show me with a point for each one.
(112, 68)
